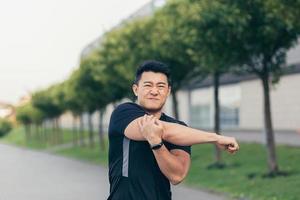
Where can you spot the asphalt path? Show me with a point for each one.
(32, 175)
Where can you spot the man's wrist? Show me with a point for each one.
(154, 141)
(215, 138)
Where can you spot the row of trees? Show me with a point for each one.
(196, 39)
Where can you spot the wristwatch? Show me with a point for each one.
(156, 146)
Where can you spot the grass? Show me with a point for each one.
(243, 176)
(17, 137)
(93, 155)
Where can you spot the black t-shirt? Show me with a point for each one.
(133, 171)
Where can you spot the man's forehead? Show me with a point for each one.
(154, 77)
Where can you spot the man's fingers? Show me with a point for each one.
(140, 123)
(159, 124)
(233, 147)
(152, 118)
(144, 119)
(148, 118)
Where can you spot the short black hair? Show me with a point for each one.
(152, 66)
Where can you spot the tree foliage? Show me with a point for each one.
(5, 127)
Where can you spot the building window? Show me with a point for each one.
(200, 116)
(229, 117)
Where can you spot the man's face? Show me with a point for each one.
(152, 90)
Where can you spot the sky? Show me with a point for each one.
(41, 40)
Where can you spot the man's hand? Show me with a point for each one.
(227, 143)
(151, 128)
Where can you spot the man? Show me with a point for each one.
(147, 148)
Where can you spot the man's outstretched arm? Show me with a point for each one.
(181, 135)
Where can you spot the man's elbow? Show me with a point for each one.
(175, 180)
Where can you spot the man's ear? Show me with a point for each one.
(169, 90)
(134, 89)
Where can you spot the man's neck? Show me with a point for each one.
(157, 114)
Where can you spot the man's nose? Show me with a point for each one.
(154, 91)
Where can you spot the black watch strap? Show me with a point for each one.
(156, 146)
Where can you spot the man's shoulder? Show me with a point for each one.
(127, 109)
(168, 118)
(127, 105)
(122, 116)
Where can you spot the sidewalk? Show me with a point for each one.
(28, 174)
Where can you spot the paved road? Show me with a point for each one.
(31, 175)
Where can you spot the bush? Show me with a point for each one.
(5, 127)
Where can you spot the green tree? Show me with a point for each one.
(209, 51)
(258, 34)
(171, 36)
(113, 54)
(57, 95)
(23, 117)
(92, 91)
(75, 106)
(29, 116)
(5, 127)
(44, 100)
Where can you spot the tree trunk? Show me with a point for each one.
(175, 104)
(60, 130)
(216, 77)
(101, 133)
(56, 131)
(53, 132)
(27, 132)
(91, 131)
(37, 132)
(74, 132)
(190, 106)
(271, 151)
(81, 131)
(43, 132)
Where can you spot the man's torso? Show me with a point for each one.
(133, 171)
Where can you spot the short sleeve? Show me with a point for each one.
(171, 146)
(123, 115)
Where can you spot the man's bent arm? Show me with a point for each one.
(173, 164)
